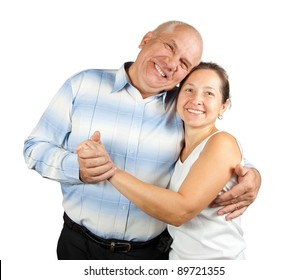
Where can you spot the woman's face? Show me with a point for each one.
(200, 99)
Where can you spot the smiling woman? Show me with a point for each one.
(202, 97)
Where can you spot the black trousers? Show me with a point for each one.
(74, 245)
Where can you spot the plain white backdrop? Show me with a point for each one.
(262, 45)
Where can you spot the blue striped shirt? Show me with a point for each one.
(143, 137)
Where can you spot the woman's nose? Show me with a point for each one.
(197, 100)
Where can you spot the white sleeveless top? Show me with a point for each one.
(207, 236)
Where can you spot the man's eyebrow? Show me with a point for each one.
(174, 44)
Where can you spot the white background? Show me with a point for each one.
(263, 46)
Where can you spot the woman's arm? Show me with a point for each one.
(206, 178)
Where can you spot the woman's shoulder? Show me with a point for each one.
(222, 141)
(222, 136)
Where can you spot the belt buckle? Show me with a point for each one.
(113, 246)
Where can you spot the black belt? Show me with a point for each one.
(113, 245)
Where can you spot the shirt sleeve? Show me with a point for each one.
(247, 163)
(45, 149)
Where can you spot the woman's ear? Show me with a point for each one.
(224, 107)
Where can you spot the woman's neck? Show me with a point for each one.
(193, 137)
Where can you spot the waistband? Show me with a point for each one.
(113, 245)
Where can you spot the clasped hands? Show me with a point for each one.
(95, 164)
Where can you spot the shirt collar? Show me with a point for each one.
(122, 79)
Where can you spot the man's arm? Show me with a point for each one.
(235, 201)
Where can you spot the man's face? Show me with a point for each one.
(165, 60)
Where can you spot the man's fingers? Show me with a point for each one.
(97, 170)
(241, 170)
(96, 137)
(235, 213)
(234, 202)
(88, 153)
(93, 162)
(243, 199)
(98, 174)
(241, 192)
(233, 210)
(86, 145)
(90, 148)
(230, 197)
(95, 142)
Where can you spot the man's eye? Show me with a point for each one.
(168, 46)
(184, 65)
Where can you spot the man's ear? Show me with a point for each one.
(145, 39)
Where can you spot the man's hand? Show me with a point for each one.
(236, 200)
(95, 164)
